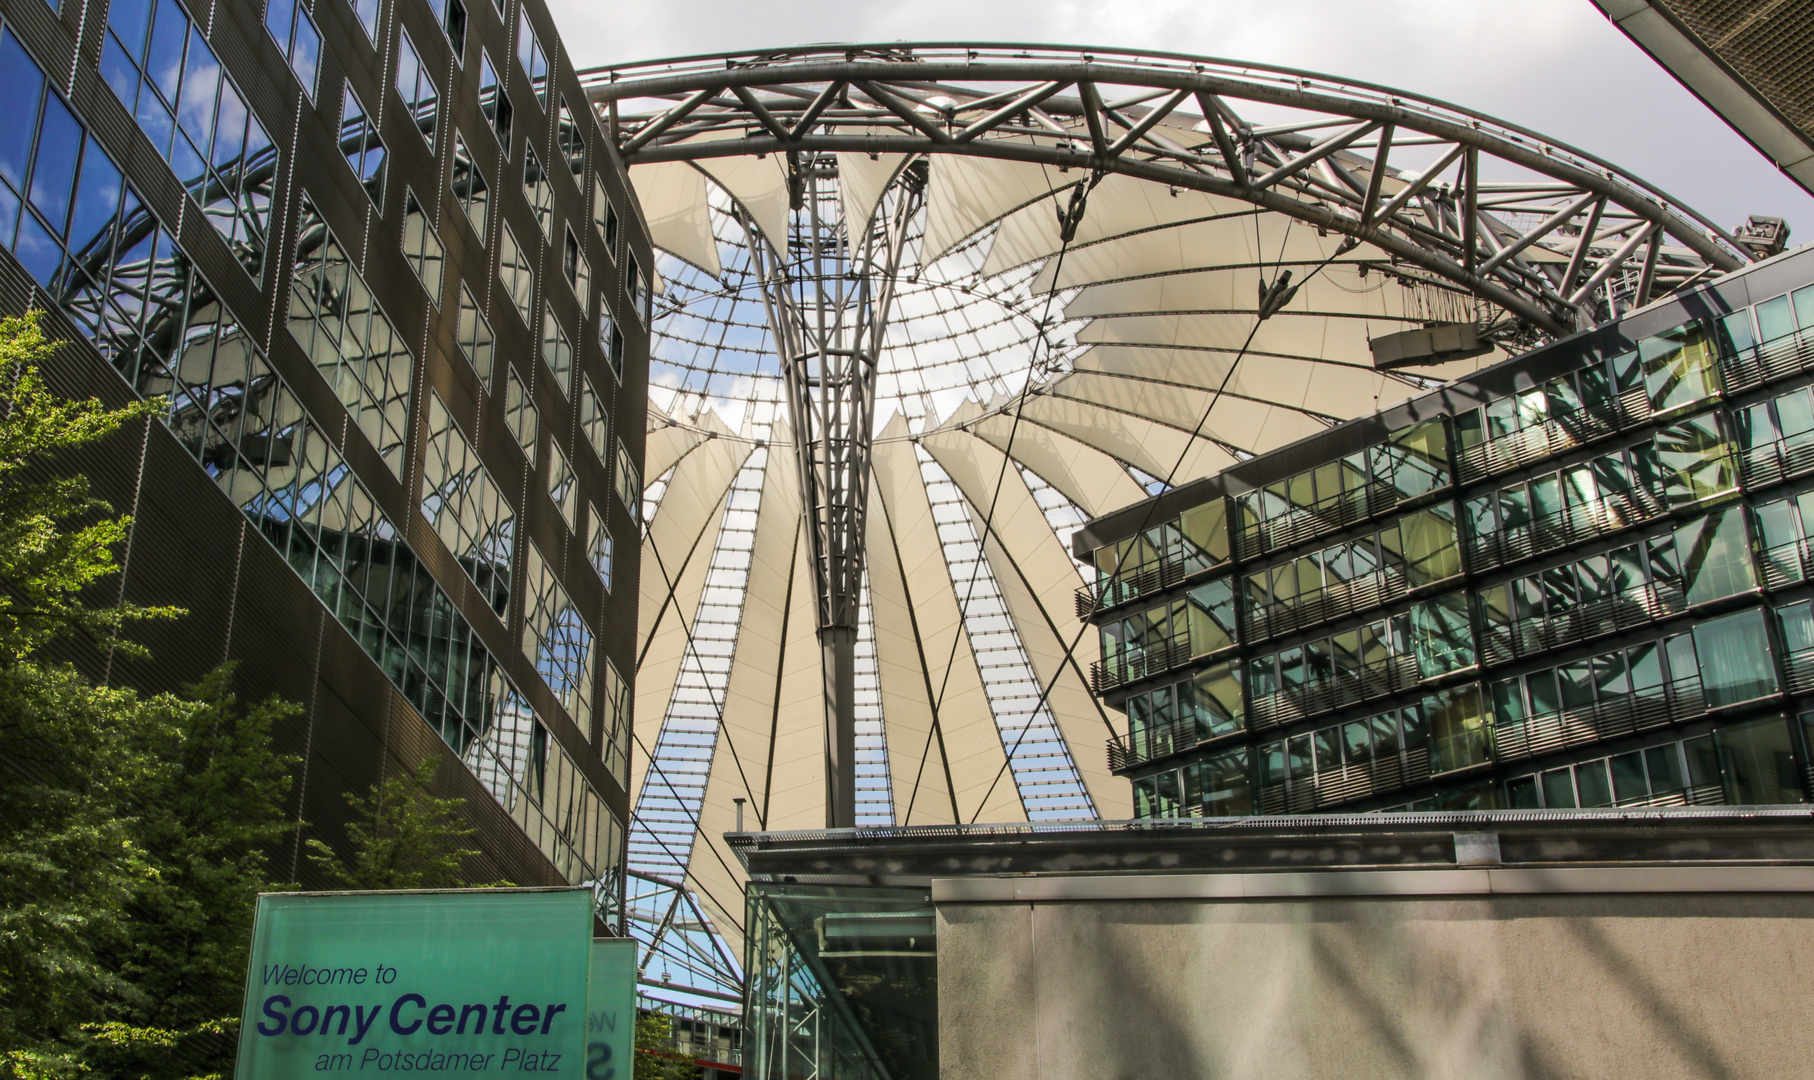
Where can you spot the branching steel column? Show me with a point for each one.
(828, 287)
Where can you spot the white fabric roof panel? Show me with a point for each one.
(1151, 447)
(923, 655)
(1339, 289)
(666, 443)
(963, 194)
(1119, 205)
(744, 764)
(1093, 481)
(862, 180)
(1327, 389)
(760, 186)
(1245, 240)
(796, 791)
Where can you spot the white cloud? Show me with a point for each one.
(1556, 66)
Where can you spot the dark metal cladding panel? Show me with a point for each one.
(186, 552)
(1766, 43)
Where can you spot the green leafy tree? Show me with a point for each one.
(132, 828)
(401, 838)
(69, 861)
(56, 538)
(656, 1058)
(210, 809)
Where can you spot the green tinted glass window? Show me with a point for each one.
(1761, 765)
(1441, 635)
(1458, 728)
(1432, 551)
(1695, 460)
(1680, 367)
(1714, 555)
(1733, 657)
(1774, 319)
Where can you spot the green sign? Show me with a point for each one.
(486, 982)
(611, 1010)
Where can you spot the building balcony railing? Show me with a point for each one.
(1159, 740)
(1799, 668)
(1307, 522)
(1571, 525)
(1774, 461)
(1354, 780)
(1132, 583)
(1136, 664)
(1544, 440)
(1640, 710)
(1785, 564)
(1766, 363)
(1338, 690)
(1332, 601)
(1584, 621)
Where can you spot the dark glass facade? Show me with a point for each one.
(373, 486)
(1578, 578)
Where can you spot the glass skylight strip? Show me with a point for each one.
(875, 791)
(1044, 773)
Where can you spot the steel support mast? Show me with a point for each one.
(827, 294)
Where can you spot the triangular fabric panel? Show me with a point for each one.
(1093, 481)
(796, 788)
(673, 200)
(742, 762)
(967, 736)
(861, 182)
(1039, 581)
(760, 186)
(1268, 240)
(1154, 448)
(1119, 205)
(676, 554)
(665, 443)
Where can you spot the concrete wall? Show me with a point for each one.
(1507, 977)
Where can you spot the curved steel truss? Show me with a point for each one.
(1473, 218)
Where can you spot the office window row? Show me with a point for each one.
(162, 70)
(1757, 762)
(465, 507)
(338, 323)
(1200, 622)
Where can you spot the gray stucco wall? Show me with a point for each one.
(1575, 984)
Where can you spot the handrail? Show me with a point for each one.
(1679, 699)
(1569, 525)
(1627, 608)
(1109, 674)
(1537, 442)
(1785, 564)
(1131, 583)
(1340, 689)
(1331, 601)
(1315, 519)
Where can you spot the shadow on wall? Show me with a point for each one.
(1517, 987)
